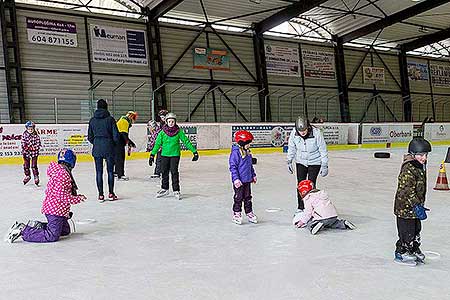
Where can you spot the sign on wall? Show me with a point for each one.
(282, 61)
(417, 71)
(211, 59)
(51, 32)
(318, 64)
(384, 133)
(118, 45)
(440, 75)
(373, 75)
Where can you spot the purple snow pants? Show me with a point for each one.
(243, 194)
(47, 232)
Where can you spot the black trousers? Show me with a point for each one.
(310, 173)
(243, 194)
(119, 164)
(408, 235)
(158, 163)
(170, 164)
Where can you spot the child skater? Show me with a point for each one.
(31, 143)
(169, 140)
(153, 131)
(319, 212)
(61, 192)
(409, 201)
(242, 175)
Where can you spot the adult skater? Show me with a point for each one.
(409, 202)
(31, 144)
(123, 125)
(308, 149)
(61, 192)
(103, 135)
(169, 139)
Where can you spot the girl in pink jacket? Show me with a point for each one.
(61, 192)
(31, 144)
(319, 212)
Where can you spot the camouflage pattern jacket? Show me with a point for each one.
(412, 187)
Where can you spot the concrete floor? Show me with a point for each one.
(145, 248)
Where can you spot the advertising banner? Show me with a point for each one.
(318, 64)
(373, 75)
(51, 32)
(440, 75)
(417, 71)
(386, 133)
(283, 61)
(437, 131)
(118, 45)
(211, 59)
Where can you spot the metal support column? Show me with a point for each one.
(341, 79)
(261, 76)
(11, 56)
(405, 88)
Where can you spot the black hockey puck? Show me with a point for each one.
(382, 155)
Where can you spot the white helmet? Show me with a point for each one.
(171, 116)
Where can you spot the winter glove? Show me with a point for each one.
(195, 158)
(290, 168)
(151, 160)
(324, 171)
(254, 179)
(237, 183)
(421, 211)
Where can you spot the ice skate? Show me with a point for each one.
(237, 218)
(316, 228)
(177, 195)
(349, 225)
(162, 193)
(14, 232)
(26, 179)
(123, 178)
(406, 258)
(155, 176)
(112, 197)
(36, 180)
(252, 218)
(420, 257)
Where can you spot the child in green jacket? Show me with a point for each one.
(169, 139)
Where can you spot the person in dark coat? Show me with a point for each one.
(103, 134)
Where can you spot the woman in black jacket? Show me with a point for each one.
(103, 134)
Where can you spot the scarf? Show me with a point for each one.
(171, 131)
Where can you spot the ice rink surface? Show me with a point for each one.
(146, 248)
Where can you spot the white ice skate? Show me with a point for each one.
(14, 232)
(316, 228)
(252, 218)
(349, 225)
(237, 218)
(177, 195)
(406, 259)
(162, 193)
(420, 257)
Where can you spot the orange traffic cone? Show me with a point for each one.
(442, 183)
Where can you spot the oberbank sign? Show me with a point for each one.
(386, 133)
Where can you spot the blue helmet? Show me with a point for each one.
(30, 124)
(67, 156)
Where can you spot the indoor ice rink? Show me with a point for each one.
(110, 81)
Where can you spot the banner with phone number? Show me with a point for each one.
(52, 32)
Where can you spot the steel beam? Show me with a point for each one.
(162, 8)
(393, 19)
(261, 76)
(426, 40)
(286, 14)
(341, 80)
(405, 88)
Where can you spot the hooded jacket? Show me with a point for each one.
(58, 194)
(317, 206)
(412, 188)
(308, 151)
(31, 144)
(170, 142)
(241, 166)
(103, 134)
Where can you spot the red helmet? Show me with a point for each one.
(243, 137)
(305, 186)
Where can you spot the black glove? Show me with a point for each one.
(131, 144)
(195, 158)
(151, 160)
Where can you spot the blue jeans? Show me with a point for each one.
(99, 170)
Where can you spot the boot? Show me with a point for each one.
(26, 179)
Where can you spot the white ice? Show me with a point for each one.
(147, 248)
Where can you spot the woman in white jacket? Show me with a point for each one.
(307, 148)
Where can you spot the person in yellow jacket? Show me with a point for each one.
(123, 125)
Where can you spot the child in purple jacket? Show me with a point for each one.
(242, 175)
(31, 143)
